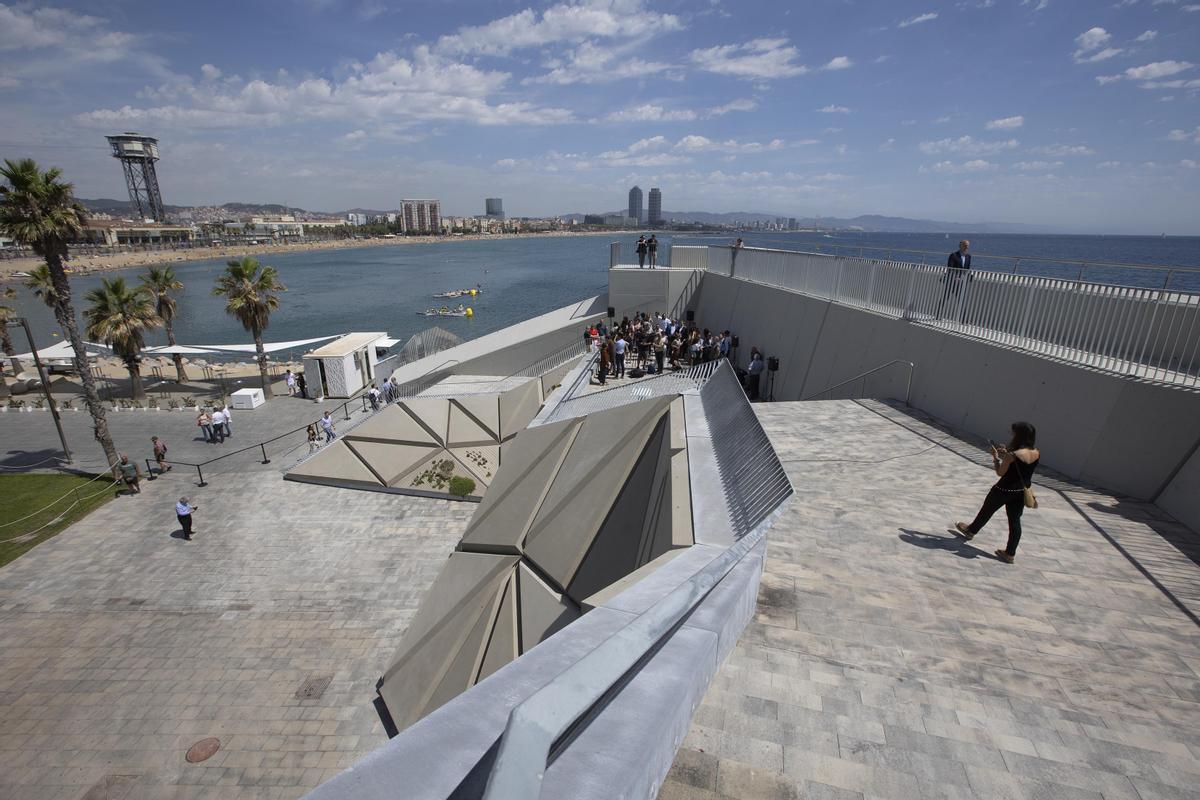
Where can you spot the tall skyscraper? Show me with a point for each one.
(494, 207)
(655, 217)
(635, 205)
(421, 216)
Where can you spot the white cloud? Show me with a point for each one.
(388, 89)
(1038, 5)
(698, 144)
(840, 62)
(1089, 44)
(1007, 123)
(1189, 163)
(941, 120)
(209, 73)
(1108, 165)
(1175, 84)
(8, 83)
(564, 22)
(974, 165)
(888, 146)
(1148, 36)
(832, 109)
(966, 145)
(1060, 150)
(761, 59)
(917, 20)
(1179, 135)
(593, 63)
(1159, 69)
(740, 104)
(651, 113)
(1037, 166)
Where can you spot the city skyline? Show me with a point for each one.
(1033, 111)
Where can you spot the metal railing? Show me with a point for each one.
(755, 486)
(563, 355)
(863, 377)
(1149, 334)
(658, 386)
(428, 342)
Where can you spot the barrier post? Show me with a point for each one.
(346, 410)
(150, 476)
(263, 446)
(201, 474)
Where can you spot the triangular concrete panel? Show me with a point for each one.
(464, 591)
(465, 430)
(392, 424)
(433, 412)
(336, 462)
(543, 611)
(502, 648)
(588, 483)
(530, 462)
(482, 460)
(485, 408)
(517, 407)
(622, 543)
(390, 461)
(460, 673)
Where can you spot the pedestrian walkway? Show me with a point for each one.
(889, 658)
(121, 645)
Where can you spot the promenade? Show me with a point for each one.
(889, 658)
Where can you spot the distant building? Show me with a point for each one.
(619, 221)
(635, 205)
(356, 219)
(593, 219)
(493, 207)
(420, 216)
(655, 216)
(792, 224)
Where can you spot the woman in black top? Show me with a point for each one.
(1015, 464)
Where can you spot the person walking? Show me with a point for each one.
(957, 265)
(395, 388)
(183, 512)
(218, 426)
(373, 396)
(313, 444)
(228, 412)
(1015, 463)
(652, 247)
(619, 347)
(290, 380)
(204, 423)
(130, 474)
(160, 454)
(328, 427)
(641, 251)
(302, 385)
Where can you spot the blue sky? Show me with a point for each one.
(1080, 115)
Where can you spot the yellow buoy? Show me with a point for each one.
(470, 312)
(472, 293)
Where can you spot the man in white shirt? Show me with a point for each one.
(327, 426)
(218, 425)
(228, 411)
(291, 383)
(753, 376)
(619, 349)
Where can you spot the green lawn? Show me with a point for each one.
(21, 495)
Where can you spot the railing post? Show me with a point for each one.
(263, 446)
(912, 277)
(201, 474)
(150, 476)
(346, 410)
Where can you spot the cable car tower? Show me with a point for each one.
(137, 155)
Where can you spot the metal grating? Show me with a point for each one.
(754, 481)
(660, 386)
(313, 687)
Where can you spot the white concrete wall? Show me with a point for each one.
(651, 290)
(1117, 433)
(1181, 497)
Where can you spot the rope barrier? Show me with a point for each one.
(54, 502)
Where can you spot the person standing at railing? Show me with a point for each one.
(652, 248)
(641, 251)
(957, 266)
(328, 427)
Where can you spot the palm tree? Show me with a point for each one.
(39, 210)
(41, 283)
(120, 316)
(159, 283)
(249, 296)
(7, 313)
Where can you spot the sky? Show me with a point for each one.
(1083, 116)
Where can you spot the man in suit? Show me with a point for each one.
(957, 266)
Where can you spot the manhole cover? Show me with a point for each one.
(203, 750)
(314, 687)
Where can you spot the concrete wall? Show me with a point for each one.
(651, 290)
(1181, 497)
(1115, 432)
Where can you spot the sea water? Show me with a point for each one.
(383, 288)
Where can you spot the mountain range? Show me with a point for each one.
(865, 222)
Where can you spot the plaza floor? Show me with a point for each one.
(890, 658)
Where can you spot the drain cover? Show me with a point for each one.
(314, 687)
(203, 750)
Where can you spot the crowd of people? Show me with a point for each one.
(651, 344)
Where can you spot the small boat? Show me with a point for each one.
(21, 275)
(451, 294)
(446, 311)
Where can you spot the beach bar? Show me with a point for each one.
(345, 366)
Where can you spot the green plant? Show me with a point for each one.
(152, 402)
(40, 403)
(172, 404)
(460, 486)
(15, 404)
(188, 401)
(66, 405)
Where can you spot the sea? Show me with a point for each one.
(383, 288)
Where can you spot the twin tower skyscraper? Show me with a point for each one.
(655, 207)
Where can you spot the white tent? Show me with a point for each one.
(181, 349)
(62, 351)
(203, 349)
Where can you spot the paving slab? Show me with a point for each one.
(890, 658)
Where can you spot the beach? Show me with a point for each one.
(85, 264)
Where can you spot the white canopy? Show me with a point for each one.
(205, 349)
(62, 351)
(172, 349)
(386, 342)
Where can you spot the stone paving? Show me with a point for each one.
(121, 645)
(889, 658)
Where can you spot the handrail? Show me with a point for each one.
(541, 719)
(1018, 259)
(907, 388)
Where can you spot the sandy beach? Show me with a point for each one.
(83, 264)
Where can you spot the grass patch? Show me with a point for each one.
(22, 495)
